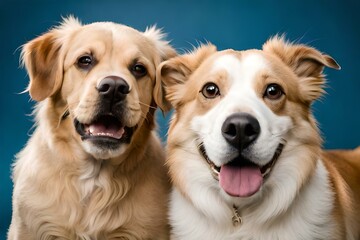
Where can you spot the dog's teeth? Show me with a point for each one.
(87, 130)
(91, 129)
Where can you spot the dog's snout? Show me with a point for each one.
(240, 129)
(114, 88)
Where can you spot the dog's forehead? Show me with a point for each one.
(109, 32)
(244, 74)
(114, 28)
(241, 67)
(105, 38)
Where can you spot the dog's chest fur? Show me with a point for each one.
(306, 218)
(92, 200)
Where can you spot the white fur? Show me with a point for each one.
(306, 220)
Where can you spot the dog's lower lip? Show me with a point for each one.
(265, 170)
(104, 129)
(215, 170)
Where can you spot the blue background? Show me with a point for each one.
(331, 26)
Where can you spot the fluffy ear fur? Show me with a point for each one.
(176, 71)
(306, 62)
(165, 51)
(43, 60)
(163, 47)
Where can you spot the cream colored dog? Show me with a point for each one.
(93, 168)
(244, 150)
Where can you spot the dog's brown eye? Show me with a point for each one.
(138, 70)
(273, 92)
(85, 61)
(210, 90)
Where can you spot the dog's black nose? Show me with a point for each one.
(113, 88)
(240, 129)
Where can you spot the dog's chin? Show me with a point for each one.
(105, 137)
(103, 153)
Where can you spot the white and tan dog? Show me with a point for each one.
(244, 150)
(94, 167)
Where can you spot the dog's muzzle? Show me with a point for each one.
(107, 129)
(241, 177)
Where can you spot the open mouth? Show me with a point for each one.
(105, 130)
(240, 177)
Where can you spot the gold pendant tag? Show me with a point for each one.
(236, 219)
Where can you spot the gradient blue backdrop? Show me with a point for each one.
(331, 26)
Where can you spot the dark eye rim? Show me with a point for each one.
(274, 97)
(138, 73)
(85, 65)
(210, 96)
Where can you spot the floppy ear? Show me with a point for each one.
(306, 62)
(165, 51)
(43, 60)
(175, 72)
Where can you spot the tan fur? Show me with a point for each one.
(344, 168)
(60, 190)
(343, 165)
(299, 70)
(306, 62)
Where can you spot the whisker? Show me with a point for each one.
(283, 141)
(279, 134)
(199, 144)
(147, 105)
(63, 116)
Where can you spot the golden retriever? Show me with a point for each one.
(94, 167)
(244, 150)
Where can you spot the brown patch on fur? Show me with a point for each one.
(306, 62)
(176, 71)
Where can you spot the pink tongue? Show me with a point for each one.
(240, 181)
(112, 130)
